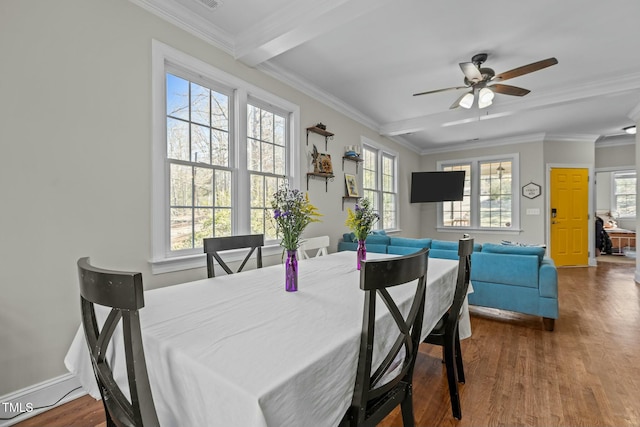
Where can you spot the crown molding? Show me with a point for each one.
(616, 141)
(571, 138)
(177, 14)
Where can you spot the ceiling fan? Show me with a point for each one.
(478, 79)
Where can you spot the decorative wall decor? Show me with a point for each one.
(352, 185)
(531, 190)
(324, 163)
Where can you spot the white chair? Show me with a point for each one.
(320, 243)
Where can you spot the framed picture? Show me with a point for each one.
(324, 163)
(352, 186)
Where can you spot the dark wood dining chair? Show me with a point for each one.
(214, 245)
(446, 333)
(376, 394)
(122, 292)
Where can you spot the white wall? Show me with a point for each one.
(75, 129)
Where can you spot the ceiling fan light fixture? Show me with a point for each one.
(631, 130)
(467, 101)
(485, 97)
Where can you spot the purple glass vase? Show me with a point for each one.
(361, 252)
(291, 269)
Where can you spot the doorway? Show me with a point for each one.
(569, 216)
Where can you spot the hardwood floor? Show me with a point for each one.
(585, 373)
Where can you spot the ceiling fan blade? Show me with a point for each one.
(509, 90)
(526, 69)
(471, 72)
(440, 90)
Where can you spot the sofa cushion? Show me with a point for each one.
(402, 250)
(374, 239)
(409, 242)
(444, 244)
(353, 246)
(515, 270)
(515, 250)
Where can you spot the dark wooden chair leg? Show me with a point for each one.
(452, 375)
(406, 408)
(549, 323)
(459, 366)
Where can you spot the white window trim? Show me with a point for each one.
(383, 150)
(475, 191)
(161, 54)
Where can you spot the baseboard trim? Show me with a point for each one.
(38, 395)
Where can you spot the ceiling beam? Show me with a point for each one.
(298, 24)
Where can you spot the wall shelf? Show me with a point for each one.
(348, 198)
(325, 176)
(354, 159)
(327, 135)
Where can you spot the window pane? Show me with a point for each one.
(180, 185)
(177, 97)
(267, 157)
(177, 139)
(257, 191)
(624, 184)
(266, 122)
(223, 188)
(223, 224)
(200, 145)
(253, 122)
(203, 226)
(495, 194)
(220, 148)
(372, 196)
(200, 105)
(180, 224)
(253, 155)
(279, 130)
(257, 221)
(219, 111)
(203, 182)
(271, 186)
(279, 157)
(389, 211)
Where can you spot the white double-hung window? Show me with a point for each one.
(221, 147)
(490, 199)
(624, 194)
(380, 183)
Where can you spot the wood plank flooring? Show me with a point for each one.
(585, 373)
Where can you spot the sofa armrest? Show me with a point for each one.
(548, 279)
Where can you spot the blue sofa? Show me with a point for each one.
(507, 277)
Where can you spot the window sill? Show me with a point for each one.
(188, 262)
(478, 230)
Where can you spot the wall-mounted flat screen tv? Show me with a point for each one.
(437, 186)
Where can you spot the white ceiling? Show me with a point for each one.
(367, 57)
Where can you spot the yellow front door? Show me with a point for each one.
(569, 216)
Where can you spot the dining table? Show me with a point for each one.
(238, 350)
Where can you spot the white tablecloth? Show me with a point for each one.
(240, 351)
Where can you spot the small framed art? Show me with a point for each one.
(352, 185)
